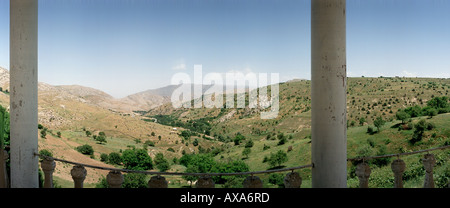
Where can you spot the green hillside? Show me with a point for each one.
(368, 98)
(230, 135)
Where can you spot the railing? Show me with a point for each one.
(115, 178)
(292, 180)
(398, 166)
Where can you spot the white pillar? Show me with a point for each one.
(23, 92)
(328, 94)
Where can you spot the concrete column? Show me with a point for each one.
(24, 92)
(328, 94)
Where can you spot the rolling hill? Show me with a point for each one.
(74, 110)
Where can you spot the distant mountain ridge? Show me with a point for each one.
(141, 101)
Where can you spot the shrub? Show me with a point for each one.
(430, 126)
(44, 133)
(149, 143)
(419, 129)
(370, 130)
(282, 141)
(246, 152)
(45, 152)
(402, 115)
(85, 149)
(101, 138)
(249, 144)
(277, 179)
(379, 122)
(195, 143)
(430, 112)
(439, 102)
(161, 163)
(104, 157)
(134, 180)
(136, 159)
(371, 142)
(382, 150)
(277, 159)
(361, 121)
(114, 158)
(443, 178)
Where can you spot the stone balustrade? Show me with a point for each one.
(292, 179)
(398, 167)
(115, 177)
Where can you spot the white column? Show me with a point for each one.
(24, 92)
(328, 94)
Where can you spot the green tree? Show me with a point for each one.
(5, 133)
(161, 163)
(439, 102)
(134, 180)
(44, 133)
(362, 120)
(195, 143)
(379, 122)
(136, 159)
(246, 152)
(277, 159)
(429, 111)
(402, 115)
(419, 129)
(85, 149)
(190, 169)
(281, 140)
(88, 133)
(235, 166)
(104, 157)
(44, 152)
(277, 179)
(101, 139)
(114, 158)
(238, 138)
(249, 144)
(102, 134)
(414, 111)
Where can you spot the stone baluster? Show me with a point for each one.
(363, 172)
(114, 179)
(292, 180)
(252, 182)
(398, 167)
(78, 173)
(48, 166)
(158, 182)
(205, 182)
(428, 162)
(3, 174)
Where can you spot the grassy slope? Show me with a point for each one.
(357, 137)
(367, 98)
(293, 120)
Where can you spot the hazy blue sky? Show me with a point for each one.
(126, 46)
